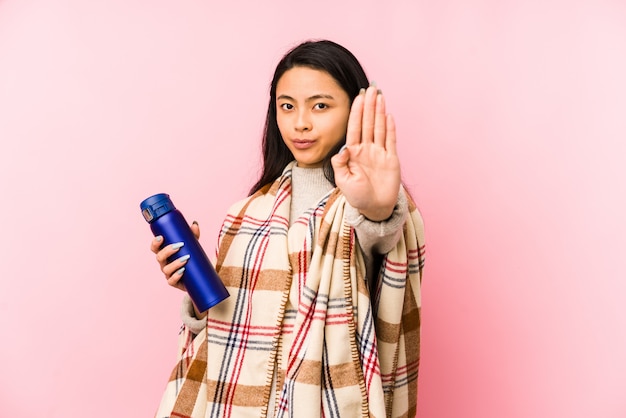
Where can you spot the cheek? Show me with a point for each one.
(341, 126)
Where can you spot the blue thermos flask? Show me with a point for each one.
(200, 278)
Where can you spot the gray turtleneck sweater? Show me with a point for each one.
(308, 186)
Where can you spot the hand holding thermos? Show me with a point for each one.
(182, 259)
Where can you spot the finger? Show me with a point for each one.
(380, 130)
(155, 244)
(195, 228)
(390, 140)
(171, 268)
(353, 134)
(369, 111)
(167, 252)
(174, 279)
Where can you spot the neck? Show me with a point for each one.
(309, 185)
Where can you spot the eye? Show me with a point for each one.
(286, 106)
(320, 106)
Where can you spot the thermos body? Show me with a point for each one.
(202, 282)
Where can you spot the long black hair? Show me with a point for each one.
(322, 55)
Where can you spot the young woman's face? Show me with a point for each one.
(312, 113)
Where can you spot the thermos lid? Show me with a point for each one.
(156, 206)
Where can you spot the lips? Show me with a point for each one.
(302, 143)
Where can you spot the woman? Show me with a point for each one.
(323, 262)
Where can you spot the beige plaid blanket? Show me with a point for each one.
(302, 314)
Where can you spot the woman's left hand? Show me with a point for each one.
(368, 169)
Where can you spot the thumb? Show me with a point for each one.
(340, 162)
(195, 228)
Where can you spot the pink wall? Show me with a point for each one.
(512, 128)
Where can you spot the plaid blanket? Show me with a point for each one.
(301, 314)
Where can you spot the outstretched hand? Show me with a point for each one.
(367, 170)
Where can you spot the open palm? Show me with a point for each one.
(368, 170)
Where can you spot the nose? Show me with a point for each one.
(303, 121)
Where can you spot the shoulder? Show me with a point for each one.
(265, 193)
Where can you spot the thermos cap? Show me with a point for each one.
(156, 206)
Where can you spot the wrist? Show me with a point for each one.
(199, 315)
(378, 215)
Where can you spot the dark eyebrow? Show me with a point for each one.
(310, 99)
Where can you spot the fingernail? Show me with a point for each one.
(177, 245)
(180, 271)
(380, 91)
(342, 149)
(184, 258)
(372, 83)
(195, 223)
(362, 91)
(158, 238)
